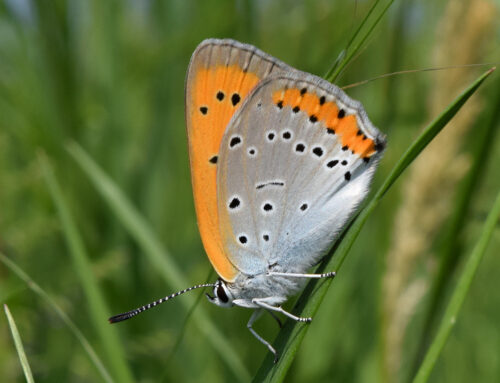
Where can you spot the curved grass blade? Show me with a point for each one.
(290, 337)
(450, 251)
(59, 311)
(337, 69)
(95, 301)
(342, 54)
(459, 294)
(19, 346)
(156, 254)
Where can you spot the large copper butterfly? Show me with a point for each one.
(280, 160)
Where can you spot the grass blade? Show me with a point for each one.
(157, 254)
(64, 317)
(19, 346)
(349, 43)
(459, 294)
(450, 252)
(291, 335)
(337, 69)
(95, 301)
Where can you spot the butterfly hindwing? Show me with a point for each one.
(221, 74)
(295, 162)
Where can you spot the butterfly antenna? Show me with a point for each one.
(133, 313)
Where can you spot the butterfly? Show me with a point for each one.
(280, 160)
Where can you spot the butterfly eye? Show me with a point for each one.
(222, 294)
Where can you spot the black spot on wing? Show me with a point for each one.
(300, 148)
(271, 183)
(235, 99)
(235, 140)
(318, 151)
(235, 202)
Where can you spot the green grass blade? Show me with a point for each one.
(353, 37)
(332, 75)
(459, 294)
(139, 229)
(131, 219)
(450, 252)
(95, 302)
(19, 346)
(64, 317)
(290, 337)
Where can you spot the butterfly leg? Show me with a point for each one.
(275, 318)
(331, 274)
(262, 303)
(256, 315)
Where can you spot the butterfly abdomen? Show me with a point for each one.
(264, 286)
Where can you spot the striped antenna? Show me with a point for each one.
(133, 313)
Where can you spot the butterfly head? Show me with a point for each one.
(222, 295)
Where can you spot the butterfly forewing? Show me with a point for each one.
(296, 161)
(220, 76)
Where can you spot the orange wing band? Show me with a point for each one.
(216, 95)
(345, 126)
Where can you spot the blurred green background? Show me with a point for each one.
(109, 76)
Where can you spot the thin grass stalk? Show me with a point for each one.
(23, 359)
(459, 294)
(350, 55)
(33, 286)
(95, 301)
(450, 251)
(342, 54)
(456, 173)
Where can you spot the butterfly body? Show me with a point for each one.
(245, 289)
(276, 175)
(280, 161)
